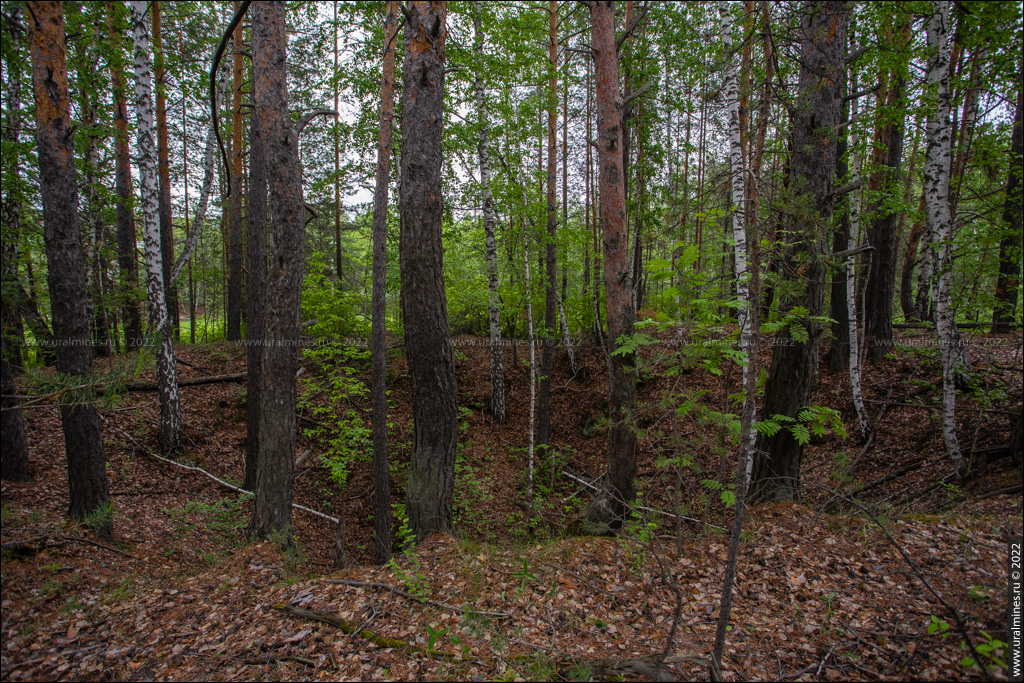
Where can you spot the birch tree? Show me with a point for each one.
(851, 271)
(490, 243)
(936, 188)
(166, 371)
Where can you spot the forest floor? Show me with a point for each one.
(826, 589)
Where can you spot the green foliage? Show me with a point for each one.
(811, 420)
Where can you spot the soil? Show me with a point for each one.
(826, 589)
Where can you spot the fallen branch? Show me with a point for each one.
(350, 628)
(196, 381)
(410, 596)
(220, 481)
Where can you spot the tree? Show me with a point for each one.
(815, 115)
(83, 441)
(275, 471)
(378, 352)
(936, 194)
(128, 267)
(164, 171)
(1013, 217)
(14, 464)
(171, 426)
(10, 210)
(622, 443)
(424, 302)
(490, 244)
(256, 323)
(550, 261)
(234, 327)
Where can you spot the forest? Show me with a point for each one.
(526, 340)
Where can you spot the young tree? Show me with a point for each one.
(127, 263)
(622, 443)
(83, 440)
(275, 472)
(493, 306)
(936, 189)
(794, 367)
(381, 471)
(424, 302)
(1013, 217)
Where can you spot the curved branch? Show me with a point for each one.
(306, 118)
(213, 86)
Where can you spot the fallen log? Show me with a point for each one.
(197, 381)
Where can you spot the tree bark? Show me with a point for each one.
(14, 464)
(83, 440)
(907, 303)
(10, 210)
(126, 259)
(167, 376)
(550, 261)
(424, 303)
(881, 230)
(275, 472)
(1008, 282)
(850, 291)
(164, 171)
(936, 189)
(622, 442)
(257, 324)
(839, 348)
(490, 243)
(794, 368)
(234, 323)
(378, 352)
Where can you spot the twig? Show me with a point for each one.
(80, 539)
(410, 596)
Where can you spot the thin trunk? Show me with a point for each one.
(1008, 282)
(126, 257)
(234, 326)
(188, 225)
(337, 169)
(275, 469)
(793, 373)
(533, 365)
(881, 231)
(851, 279)
(936, 181)
(838, 358)
(494, 310)
(164, 171)
(910, 311)
(424, 302)
(157, 275)
(622, 441)
(550, 294)
(381, 473)
(83, 440)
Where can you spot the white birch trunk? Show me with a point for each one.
(533, 365)
(739, 233)
(936, 193)
(851, 276)
(204, 199)
(497, 352)
(166, 371)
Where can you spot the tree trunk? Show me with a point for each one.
(550, 261)
(794, 368)
(424, 303)
(83, 440)
(336, 134)
(164, 171)
(907, 303)
(275, 471)
(528, 297)
(234, 323)
(13, 447)
(1008, 282)
(257, 324)
(167, 376)
(494, 307)
(10, 211)
(849, 292)
(622, 442)
(378, 352)
(126, 258)
(936, 189)
(839, 347)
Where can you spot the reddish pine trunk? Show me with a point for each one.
(234, 328)
(622, 443)
(164, 171)
(83, 441)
